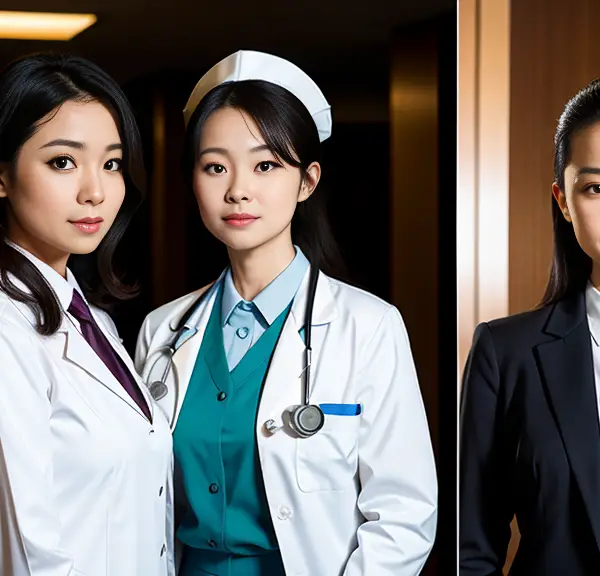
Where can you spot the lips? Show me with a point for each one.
(239, 217)
(88, 225)
(88, 221)
(240, 220)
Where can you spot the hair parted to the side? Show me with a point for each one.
(571, 266)
(32, 88)
(291, 135)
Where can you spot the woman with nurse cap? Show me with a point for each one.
(259, 494)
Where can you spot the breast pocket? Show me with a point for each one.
(328, 460)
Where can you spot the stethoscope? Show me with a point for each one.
(305, 419)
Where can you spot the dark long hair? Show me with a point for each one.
(291, 135)
(571, 266)
(31, 88)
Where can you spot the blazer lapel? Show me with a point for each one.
(567, 369)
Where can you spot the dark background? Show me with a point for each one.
(159, 50)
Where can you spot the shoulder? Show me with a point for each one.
(518, 331)
(502, 345)
(172, 312)
(15, 316)
(367, 312)
(17, 327)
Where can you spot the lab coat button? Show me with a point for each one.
(284, 513)
(163, 550)
(151, 430)
(242, 332)
(213, 488)
(160, 491)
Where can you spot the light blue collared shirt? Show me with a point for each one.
(245, 322)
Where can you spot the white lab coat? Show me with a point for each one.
(85, 486)
(359, 498)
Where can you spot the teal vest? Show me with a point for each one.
(227, 527)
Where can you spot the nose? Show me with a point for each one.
(239, 189)
(91, 190)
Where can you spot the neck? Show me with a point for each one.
(253, 270)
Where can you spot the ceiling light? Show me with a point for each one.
(43, 25)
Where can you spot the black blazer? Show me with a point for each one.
(530, 445)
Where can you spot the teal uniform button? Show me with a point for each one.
(221, 396)
(242, 332)
(213, 488)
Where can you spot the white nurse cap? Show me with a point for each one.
(251, 65)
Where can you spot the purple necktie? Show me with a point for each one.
(96, 339)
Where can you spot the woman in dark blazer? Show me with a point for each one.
(530, 432)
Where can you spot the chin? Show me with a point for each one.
(84, 246)
(238, 240)
(240, 244)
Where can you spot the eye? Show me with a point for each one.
(113, 165)
(62, 163)
(267, 166)
(594, 188)
(214, 169)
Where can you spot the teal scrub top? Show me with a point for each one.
(228, 527)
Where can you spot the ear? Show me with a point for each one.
(4, 181)
(310, 182)
(561, 200)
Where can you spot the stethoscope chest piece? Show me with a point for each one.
(307, 420)
(158, 390)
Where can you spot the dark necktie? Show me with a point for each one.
(96, 339)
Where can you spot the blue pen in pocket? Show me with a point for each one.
(341, 409)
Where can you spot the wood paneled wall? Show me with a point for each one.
(553, 53)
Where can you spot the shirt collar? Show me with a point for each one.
(592, 303)
(63, 289)
(273, 299)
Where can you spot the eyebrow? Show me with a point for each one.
(588, 170)
(78, 145)
(260, 148)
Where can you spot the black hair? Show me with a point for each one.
(32, 88)
(291, 135)
(571, 266)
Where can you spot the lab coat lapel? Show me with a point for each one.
(184, 359)
(283, 385)
(76, 350)
(70, 345)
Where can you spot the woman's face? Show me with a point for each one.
(246, 196)
(580, 200)
(66, 186)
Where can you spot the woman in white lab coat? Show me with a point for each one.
(347, 486)
(85, 458)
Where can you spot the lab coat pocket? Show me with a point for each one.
(328, 460)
